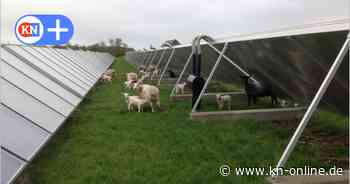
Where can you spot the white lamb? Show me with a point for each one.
(149, 93)
(132, 101)
(221, 100)
(106, 78)
(180, 88)
(155, 73)
(131, 76)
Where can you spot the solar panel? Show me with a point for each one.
(40, 87)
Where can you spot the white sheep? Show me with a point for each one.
(155, 73)
(221, 100)
(151, 68)
(180, 88)
(109, 72)
(131, 76)
(149, 93)
(106, 78)
(284, 103)
(132, 101)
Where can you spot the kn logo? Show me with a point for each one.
(44, 29)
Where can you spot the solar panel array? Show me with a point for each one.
(293, 62)
(40, 87)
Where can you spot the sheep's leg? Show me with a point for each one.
(229, 105)
(129, 107)
(139, 108)
(158, 103)
(152, 106)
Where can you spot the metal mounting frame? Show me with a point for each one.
(166, 65)
(314, 104)
(181, 74)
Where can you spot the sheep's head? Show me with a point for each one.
(218, 98)
(138, 85)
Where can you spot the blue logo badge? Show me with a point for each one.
(44, 29)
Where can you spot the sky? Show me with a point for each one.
(141, 23)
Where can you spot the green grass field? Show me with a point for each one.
(101, 143)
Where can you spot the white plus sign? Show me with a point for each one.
(58, 30)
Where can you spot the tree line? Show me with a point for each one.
(116, 47)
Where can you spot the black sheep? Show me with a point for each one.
(255, 89)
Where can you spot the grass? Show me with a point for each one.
(101, 143)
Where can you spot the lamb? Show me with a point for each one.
(149, 93)
(155, 73)
(132, 101)
(106, 78)
(180, 88)
(255, 89)
(151, 68)
(221, 100)
(131, 76)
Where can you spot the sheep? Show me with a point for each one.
(180, 88)
(109, 72)
(151, 68)
(148, 92)
(221, 100)
(141, 68)
(284, 103)
(106, 78)
(255, 89)
(131, 76)
(155, 73)
(134, 101)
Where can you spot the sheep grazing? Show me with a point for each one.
(149, 93)
(221, 100)
(132, 101)
(131, 76)
(255, 89)
(106, 78)
(180, 88)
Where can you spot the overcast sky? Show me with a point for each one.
(141, 23)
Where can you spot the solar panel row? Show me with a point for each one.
(39, 88)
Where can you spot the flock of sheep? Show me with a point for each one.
(147, 94)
